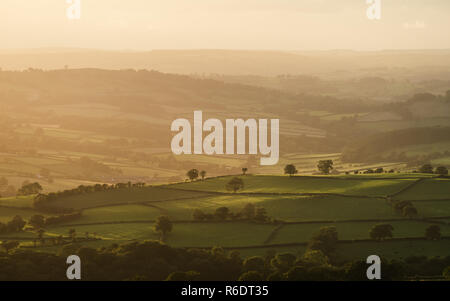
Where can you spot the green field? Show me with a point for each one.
(288, 208)
(121, 213)
(299, 184)
(19, 201)
(433, 208)
(124, 196)
(184, 234)
(305, 203)
(6, 213)
(330, 208)
(219, 234)
(352, 230)
(430, 189)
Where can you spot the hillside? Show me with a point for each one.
(232, 62)
(295, 209)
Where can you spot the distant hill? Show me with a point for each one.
(374, 147)
(237, 62)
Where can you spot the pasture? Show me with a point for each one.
(352, 203)
(305, 184)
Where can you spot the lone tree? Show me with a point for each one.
(37, 221)
(30, 188)
(163, 226)
(249, 211)
(198, 215)
(16, 224)
(441, 170)
(426, 168)
(290, 170)
(409, 211)
(325, 166)
(222, 213)
(203, 174)
(433, 232)
(261, 215)
(244, 171)
(381, 231)
(192, 174)
(235, 184)
(325, 240)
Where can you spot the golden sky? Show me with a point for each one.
(225, 24)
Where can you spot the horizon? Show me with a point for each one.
(232, 24)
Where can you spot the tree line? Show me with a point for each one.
(249, 212)
(43, 202)
(155, 261)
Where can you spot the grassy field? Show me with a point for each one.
(433, 208)
(430, 189)
(352, 230)
(219, 234)
(332, 208)
(299, 184)
(19, 201)
(6, 214)
(124, 196)
(128, 214)
(122, 213)
(287, 208)
(184, 234)
(358, 250)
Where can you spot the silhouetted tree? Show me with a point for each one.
(255, 263)
(325, 240)
(198, 215)
(222, 213)
(290, 170)
(163, 226)
(28, 189)
(381, 231)
(441, 170)
(261, 215)
(426, 168)
(37, 221)
(16, 224)
(192, 174)
(249, 211)
(433, 232)
(235, 184)
(325, 166)
(409, 211)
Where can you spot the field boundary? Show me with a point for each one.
(299, 244)
(408, 187)
(280, 194)
(273, 234)
(280, 223)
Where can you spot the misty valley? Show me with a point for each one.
(234, 175)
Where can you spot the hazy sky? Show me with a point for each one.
(225, 24)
